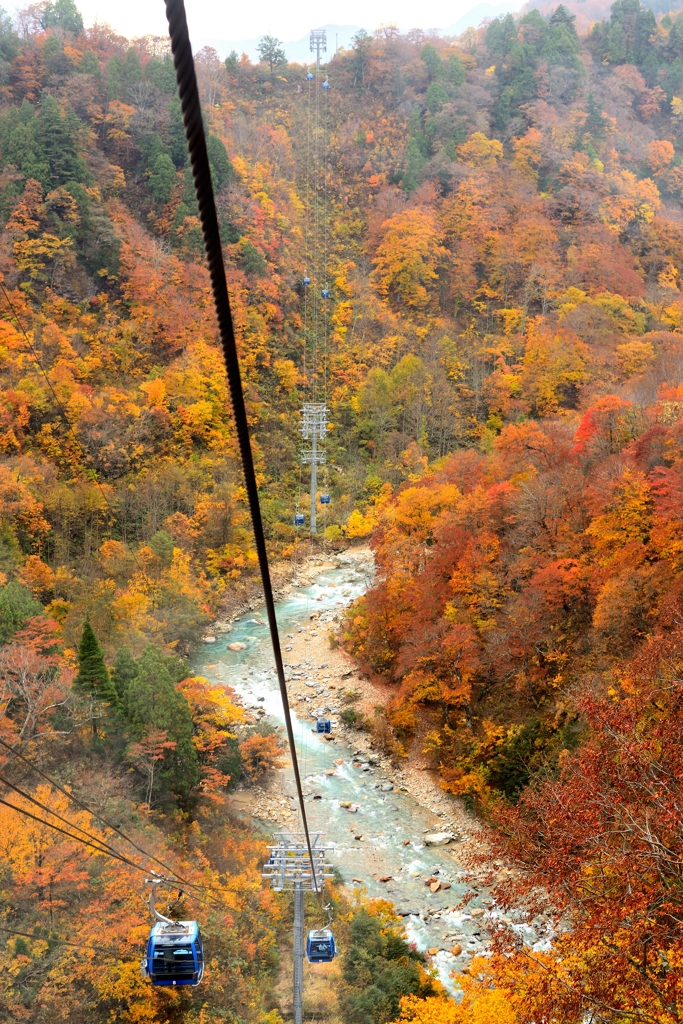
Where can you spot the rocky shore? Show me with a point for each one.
(320, 675)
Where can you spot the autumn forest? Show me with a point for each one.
(501, 352)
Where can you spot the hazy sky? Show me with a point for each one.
(219, 20)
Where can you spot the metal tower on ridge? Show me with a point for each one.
(318, 44)
(314, 428)
(289, 869)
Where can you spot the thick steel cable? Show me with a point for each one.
(98, 817)
(70, 835)
(201, 173)
(105, 851)
(104, 845)
(61, 942)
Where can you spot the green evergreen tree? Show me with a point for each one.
(17, 606)
(89, 65)
(436, 97)
(20, 144)
(124, 671)
(596, 122)
(92, 677)
(160, 73)
(175, 133)
(378, 969)
(58, 135)
(162, 178)
(456, 70)
(415, 161)
(153, 702)
(65, 15)
(222, 170)
(432, 61)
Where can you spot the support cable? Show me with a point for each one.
(196, 141)
(98, 817)
(70, 835)
(62, 942)
(97, 846)
(105, 847)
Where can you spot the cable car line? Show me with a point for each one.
(196, 141)
(105, 821)
(59, 817)
(99, 846)
(62, 942)
(70, 835)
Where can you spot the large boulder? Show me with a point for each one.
(439, 839)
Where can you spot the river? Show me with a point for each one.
(384, 838)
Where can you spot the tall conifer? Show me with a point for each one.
(93, 677)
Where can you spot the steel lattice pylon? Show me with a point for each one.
(289, 870)
(313, 428)
(318, 43)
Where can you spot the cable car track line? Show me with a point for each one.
(201, 173)
(104, 821)
(62, 942)
(99, 846)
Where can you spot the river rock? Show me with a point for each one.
(477, 912)
(237, 646)
(445, 885)
(433, 950)
(386, 878)
(359, 881)
(387, 787)
(439, 839)
(345, 804)
(339, 760)
(209, 639)
(435, 886)
(407, 911)
(456, 950)
(406, 842)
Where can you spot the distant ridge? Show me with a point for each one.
(474, 17)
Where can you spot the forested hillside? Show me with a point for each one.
(503, 364)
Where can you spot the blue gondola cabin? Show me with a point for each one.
(324, 499)
(174, 954)
(323, 725)
(299, 519)
(320, 947)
